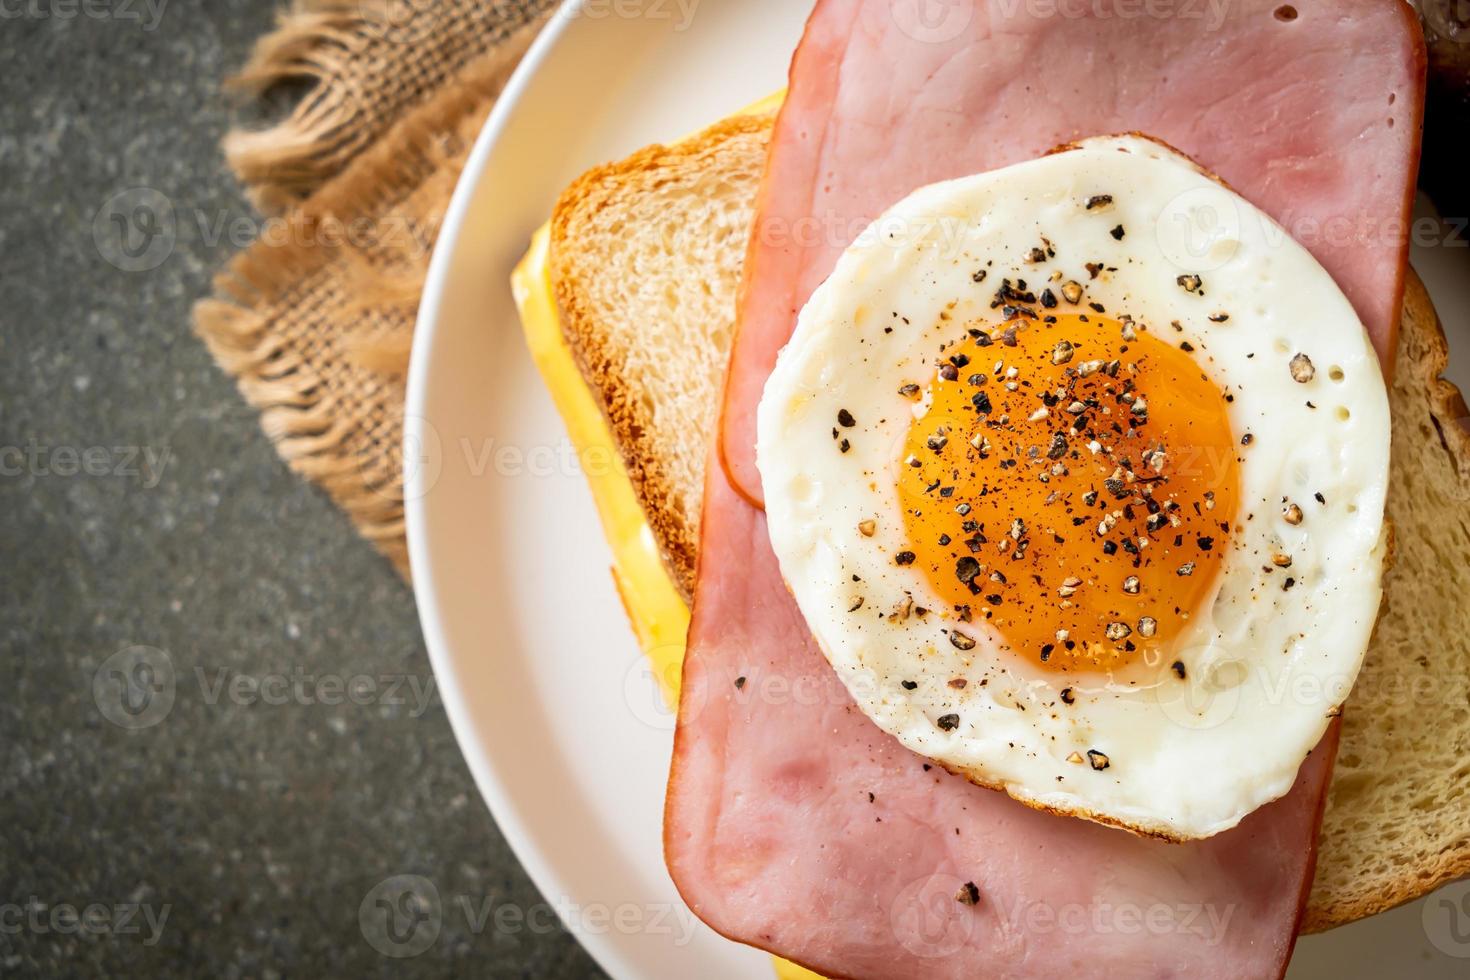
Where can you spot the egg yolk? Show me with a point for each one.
(1073, 484)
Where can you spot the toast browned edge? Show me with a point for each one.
(1451, 420)
(628, 420)
(601, 364)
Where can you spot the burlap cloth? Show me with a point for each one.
(314, 321)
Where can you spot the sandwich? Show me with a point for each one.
(857, 641)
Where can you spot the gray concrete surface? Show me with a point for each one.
(148, 534)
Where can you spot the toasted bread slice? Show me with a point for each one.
(1398, 811)
(646, 259)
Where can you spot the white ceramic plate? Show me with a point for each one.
(560, 724)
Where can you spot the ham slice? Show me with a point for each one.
(796, 825)
(792, 822)
(1311, 111)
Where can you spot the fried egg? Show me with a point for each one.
(1076, 471)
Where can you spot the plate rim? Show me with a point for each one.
(418, 481)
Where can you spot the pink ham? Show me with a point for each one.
(795, 825)
(1311, 111)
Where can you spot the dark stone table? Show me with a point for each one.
(148, 532)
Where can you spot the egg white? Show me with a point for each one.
(1268, 667)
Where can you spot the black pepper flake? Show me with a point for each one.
(1186, 346)
(968, 894)
(1098, 760)
(844, 446)
(910, 685)
(740, 683)
(1219, 317)
(905, 558)
(1190, 284)
(980, 275)
(1068, 697)
(982, 403)
(1117, 233)
(948, 372)
(1098, 307)
(1206, 544)
(966, 569)
(1048, 299)
(845, 419)
(1320, 499)
(1099, 201)
(961, 641)
(1247, 439)
(948, 723)
(1178, 669)
(909, 390)
(1058, 447)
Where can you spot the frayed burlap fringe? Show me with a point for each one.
(315, 319)
(368, 62)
